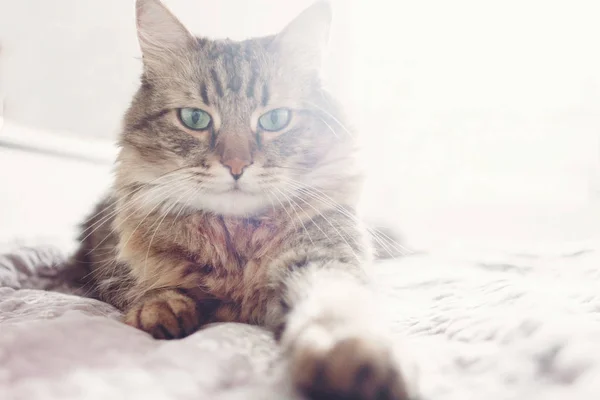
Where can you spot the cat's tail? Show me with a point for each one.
(38, 264)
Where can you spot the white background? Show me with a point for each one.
(481, 118)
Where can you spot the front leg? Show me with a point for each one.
(337, 349)
(169, 313)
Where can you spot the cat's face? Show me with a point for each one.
(233, 127)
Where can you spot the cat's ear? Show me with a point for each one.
(305, 39)
(159, 31)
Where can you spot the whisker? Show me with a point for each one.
(117, 226)
(269, 194)
(330, 115)
(142, 186)
(120, 208)
(140, 223)
(331, 224)
(297, 215)
(165, 189)
(384, 241)
(166, 213)
(329, 126)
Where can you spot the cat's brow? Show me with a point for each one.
(252, 83)
(235, 82)
(232, 62)
(204, 93)
(265, 95)
(217, 82)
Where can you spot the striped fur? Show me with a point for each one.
(178, 243)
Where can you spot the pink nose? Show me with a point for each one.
(236, 166)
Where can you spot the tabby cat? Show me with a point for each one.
(234, 200)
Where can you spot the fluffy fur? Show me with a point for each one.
(180, 242)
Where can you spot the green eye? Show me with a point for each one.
(275, 120)
(194, 118)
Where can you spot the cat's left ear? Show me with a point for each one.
(159, 32)
(305, 39)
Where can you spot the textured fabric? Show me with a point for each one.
(492, 325)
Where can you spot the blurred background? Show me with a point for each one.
(480, 119)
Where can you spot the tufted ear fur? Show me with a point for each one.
(304, 40)
(159, 32)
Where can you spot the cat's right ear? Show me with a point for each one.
(159, 32)
(304, 41)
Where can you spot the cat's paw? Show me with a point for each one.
(353, 368)
(166, 314)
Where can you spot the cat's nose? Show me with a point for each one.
(236, 166)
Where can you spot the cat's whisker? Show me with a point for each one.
(151, 191)
(390, 246)
(330, 116)
(109, 218)
(132, 193)
(124, 207)
(386, 242)
(332, 226)
(290, 201)
(269, 194)
(293, 168)
(184, 206)
(192, 190)
(165, 190)
(382, 239)
(160, 221)
(329, 126)
(292, 220)
(320, 196)
(114, 230)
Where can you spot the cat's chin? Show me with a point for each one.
(234, 203)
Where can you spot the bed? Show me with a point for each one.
(480, 323)
(497, 326)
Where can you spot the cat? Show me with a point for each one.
(234, 199)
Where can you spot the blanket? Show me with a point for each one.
(479, 324)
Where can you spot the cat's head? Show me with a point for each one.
(234, 127)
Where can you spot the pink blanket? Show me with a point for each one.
(487, 326)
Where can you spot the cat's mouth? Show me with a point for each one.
(229, 191)
(238, 188)
(233, 188)
(232, 199)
